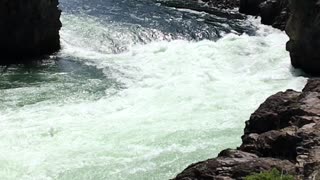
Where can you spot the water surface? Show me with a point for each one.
(139, 91)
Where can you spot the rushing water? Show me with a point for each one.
(139, 91)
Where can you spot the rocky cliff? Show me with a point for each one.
(28, 29)
(303, 28)
(283, 133)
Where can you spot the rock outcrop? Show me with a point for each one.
(272, 12)
(28, 29)
(303, 29)
(283, 133)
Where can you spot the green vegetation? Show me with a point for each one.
(274, 174)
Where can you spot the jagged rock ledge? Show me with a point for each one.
(28, 29)
(283, 133)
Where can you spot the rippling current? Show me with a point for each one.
(140, 90)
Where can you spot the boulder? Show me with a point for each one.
(28, 29)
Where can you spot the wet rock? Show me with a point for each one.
(28, 29)
(275, 13)
(303, 29)
(251, 7)
(272, 12)
(283, 133)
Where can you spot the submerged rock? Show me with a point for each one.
(28, 29)
(283, 133)
(303, 29)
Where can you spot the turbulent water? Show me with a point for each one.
(138, 91)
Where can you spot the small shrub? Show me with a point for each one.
(274, 174)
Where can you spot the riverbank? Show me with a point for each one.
(283, 133)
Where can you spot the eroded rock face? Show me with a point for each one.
(303, 29)
(272, 12)
(28, 29)
(283, 133)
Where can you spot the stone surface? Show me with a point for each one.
(28, 29)
(303, 29)
(283, 133)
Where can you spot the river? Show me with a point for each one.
(139, 91)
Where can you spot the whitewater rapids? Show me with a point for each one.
(122, 110)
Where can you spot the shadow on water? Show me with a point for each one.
(55, 80)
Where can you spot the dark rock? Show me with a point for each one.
(28, 29)
(303, 29)
(272, 12)
(273, 113)
(231, 153)
(226, 168)
(283, 133)
(275, 13)
(279, 144)
(312, 86)
(250, 7)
